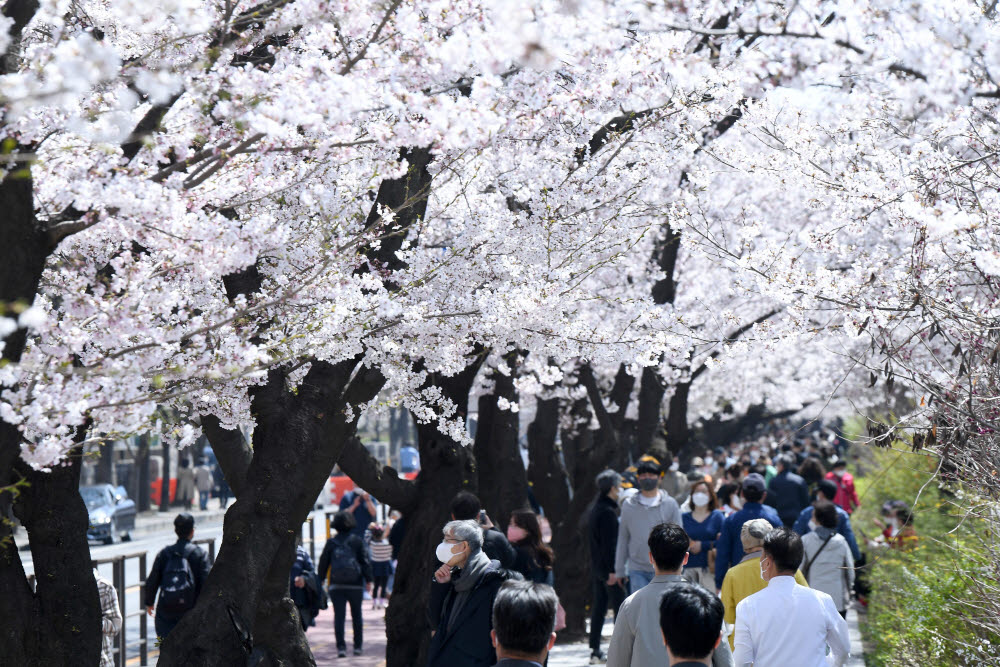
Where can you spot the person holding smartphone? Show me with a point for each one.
(465, 506)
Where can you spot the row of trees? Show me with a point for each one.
(270, 214)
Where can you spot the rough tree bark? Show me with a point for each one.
(446, 468)
(59, 622)
(503, 484)
(297, 441)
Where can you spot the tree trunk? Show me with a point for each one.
(447, 467)
(652, 389)
(141, 493)
(58, 623)
(503, 484)
(296, 444)
(66, 592)
(105, 471)
(165, 479)
(677, 424)
(591, 454)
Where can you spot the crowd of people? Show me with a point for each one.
(751, 550)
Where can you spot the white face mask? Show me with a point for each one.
(735, 502)
(444, 552)
(700, 499)
(675, 466)
(812, 524)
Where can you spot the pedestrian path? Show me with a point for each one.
(324, 644)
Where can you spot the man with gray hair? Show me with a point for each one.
(461, 601)
(603, 540)
(743, 579)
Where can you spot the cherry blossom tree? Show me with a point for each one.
(265, 214)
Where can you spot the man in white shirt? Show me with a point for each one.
(788, 624)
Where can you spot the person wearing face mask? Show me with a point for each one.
(743, 580)
(674, 481)
(703, 525)
(603, 530)
(787, 623)
(640, 514)
(847, 496)
(826, 491)
(729, 549)
(534, 557)
(461, 601)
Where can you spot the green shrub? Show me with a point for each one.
(927, 604)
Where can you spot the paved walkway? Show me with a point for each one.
(324, 643)
(324, 646)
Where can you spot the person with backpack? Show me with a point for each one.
(178, 573)
(345, 560)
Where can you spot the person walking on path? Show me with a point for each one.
(847, 496)
(674, 481)
(204, 483)
(465, 506)
(729, 548)
(827, 562)
(826, 491)
(703, 524)
(524, 614)
(788, 624)
(534, 558)
(221, 486)
(637, 640)
(787, 493)
(178, 573)
(345, 561)
(185, 484)
(744, 579)
(691, 623)
(461, 601)
(381, 552)
(641, 512)
(111, 619)
(603, 530)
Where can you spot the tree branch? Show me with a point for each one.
(231, 450)
(383, 482)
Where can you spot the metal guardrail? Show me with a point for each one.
(122, 643)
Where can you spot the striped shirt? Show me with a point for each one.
(381, 551)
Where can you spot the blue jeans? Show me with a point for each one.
(638, 579)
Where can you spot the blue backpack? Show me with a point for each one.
(177, 588)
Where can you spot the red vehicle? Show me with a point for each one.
(338, 485)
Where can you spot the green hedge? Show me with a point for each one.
(922, 601)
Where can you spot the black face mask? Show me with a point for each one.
(647, 484)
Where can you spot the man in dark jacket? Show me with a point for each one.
(603, 540)
(465, 506)
(179, 573)
(787, 493)
(461, 601)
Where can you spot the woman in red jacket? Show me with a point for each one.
(846, 497)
